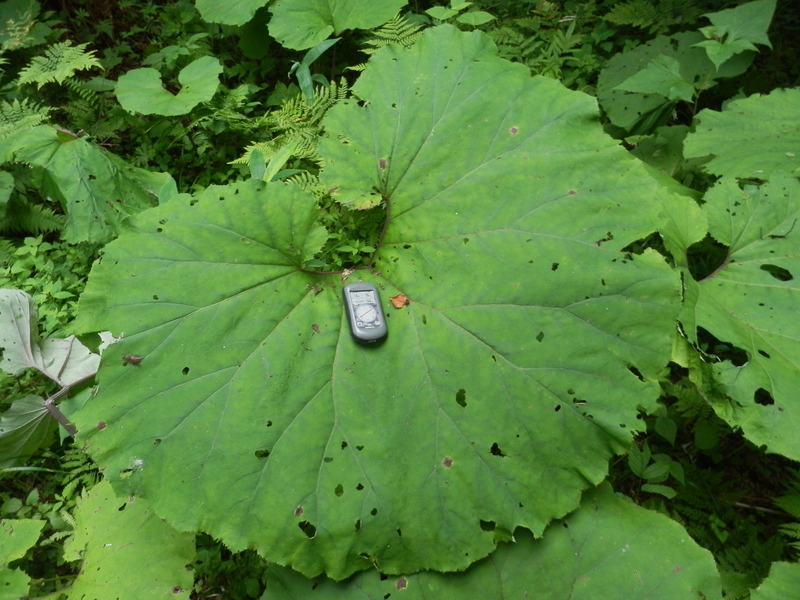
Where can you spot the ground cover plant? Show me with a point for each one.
(584, 237)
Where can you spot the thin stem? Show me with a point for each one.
(51, 407)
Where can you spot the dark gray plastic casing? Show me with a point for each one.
(362, 303)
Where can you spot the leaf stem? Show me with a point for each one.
(51, 407)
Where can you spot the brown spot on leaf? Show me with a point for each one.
(514, 130)
(101, 425)
(401, 583)
(447, 462)
(382, 164)
(315, 327)
(400, 301)
(298, 512)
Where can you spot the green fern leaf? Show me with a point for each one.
(656, 17)
(24, 217)
(59, 63)
(636, 13)
(298, 121)
(16, 116)
(399, 31)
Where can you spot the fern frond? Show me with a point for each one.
(636, 13)
(656, 17)
(24, 217)
(309, 183)
(399, 31)
(790, 503)
(6, 252)
(59, 63)
(16, 116)
(298, 121)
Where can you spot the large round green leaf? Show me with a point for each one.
(141, 90)
(301, 24)
(606, 550)
(504, 387)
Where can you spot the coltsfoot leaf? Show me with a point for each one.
(513, 373)
(607, 549)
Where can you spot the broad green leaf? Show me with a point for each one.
(257, 164)
(720, 52)
(684, 223)
(661, 76)
(505, 386)
(782, 583)
(475, 18)
(141, 90)
(96, 188)
(229, 13)
(440, 12)
(301, 24)
(663, 150)
(736, 30)
(24, 428)
(753, 137)
(65, 361)
(662, 490)
(639, 113)
(126, 548)
(606, 550)
(16, 537)
(750, 302)
(749, 22)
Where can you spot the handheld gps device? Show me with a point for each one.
(364, 313)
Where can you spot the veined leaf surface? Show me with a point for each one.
(505, 385)
(607, 549)
(117, 537)
(229, 13)
(751, 302)
(753, 137)
(141, 90)
(301, 24)
(96, 188)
